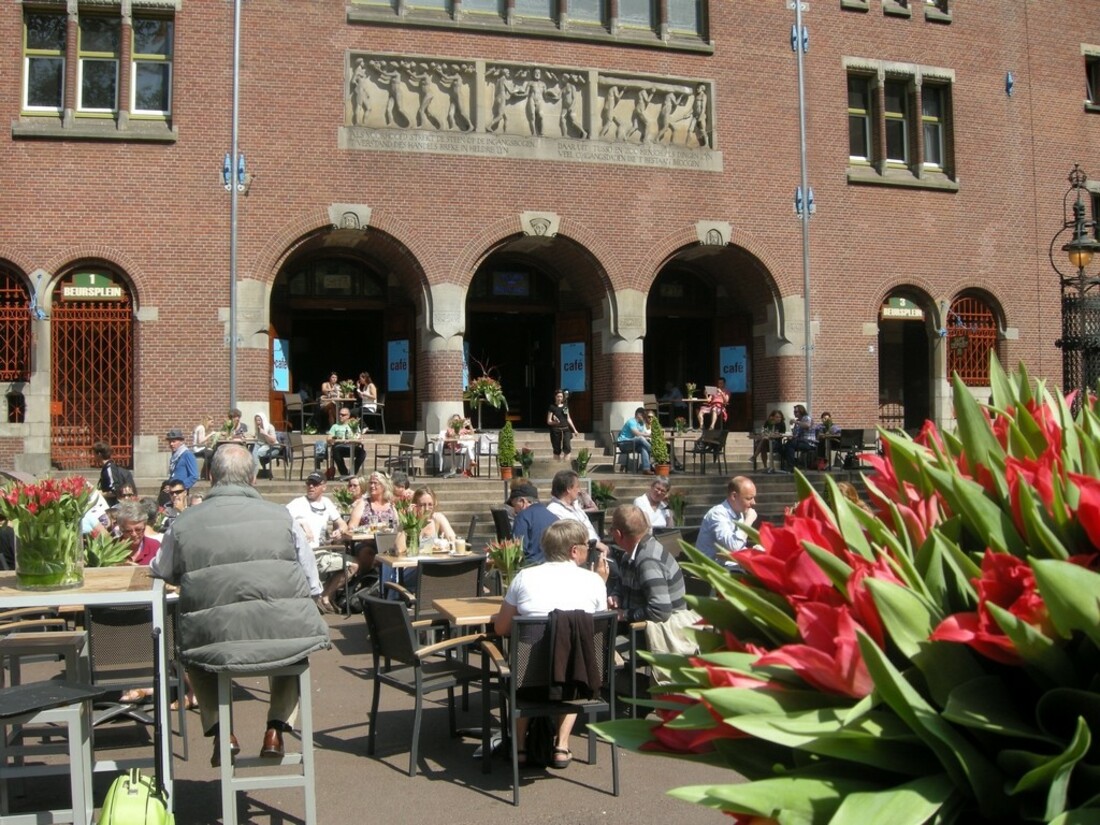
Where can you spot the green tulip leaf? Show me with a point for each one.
(1035, 648)
(1072, 596)
(909, 619)
(945, 666)
(984, 705)
(1059, 710)
(734, 703)
(1054, 774)
(1040, 534)
(961, 759)
(910, 804)
(811, 797)
(831, 564)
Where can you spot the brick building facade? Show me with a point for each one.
(598, 192)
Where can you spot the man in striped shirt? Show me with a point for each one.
(652, 586)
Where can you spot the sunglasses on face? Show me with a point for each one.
(177, 492)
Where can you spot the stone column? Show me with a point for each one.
(621, 337)
(439, 365)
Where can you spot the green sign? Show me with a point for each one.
(901, 309)
(91, 286)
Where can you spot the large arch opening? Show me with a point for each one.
(529, 313)
(340, 303)
(700, 316)
(16, 313)
(906, 369)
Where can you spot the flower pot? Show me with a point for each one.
(412, 542)
(506, 472)
(661, 469)
(49, 555)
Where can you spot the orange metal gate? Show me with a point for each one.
(93, 379)
(15, 328)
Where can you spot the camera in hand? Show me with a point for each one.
(593, 554)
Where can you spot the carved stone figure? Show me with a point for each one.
(607, 114)
(390, 80)
(422, 83)
(697, 118)
(504, 94)
(664, 116)
(537, 92)
(640, 121)
(359, 90)
(568, 116)
(456, 105)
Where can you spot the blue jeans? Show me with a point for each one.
(641, 447)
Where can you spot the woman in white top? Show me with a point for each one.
(367, 392)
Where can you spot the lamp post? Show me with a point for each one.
(1080, 341)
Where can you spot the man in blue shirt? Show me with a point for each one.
(636, 433)
(719, 529)
(530, 524)
(181, 464)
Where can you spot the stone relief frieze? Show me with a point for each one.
(452, 106)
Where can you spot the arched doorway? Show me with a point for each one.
(905, 369)
(92, 367)
(333, 310)
(15, 340)
(697, 328)
(972, 332)
(530, 325)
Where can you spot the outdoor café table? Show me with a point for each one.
(469, 612)
(775, 446)
(112, 586)
(691, 404)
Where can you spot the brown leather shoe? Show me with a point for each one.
(273, 744)
(216, 757)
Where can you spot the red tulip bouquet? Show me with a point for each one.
(45, 517)
(937, 661)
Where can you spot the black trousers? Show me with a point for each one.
(561, 439)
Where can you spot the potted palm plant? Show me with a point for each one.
(580, 463)
(659, 448)
(506, 450)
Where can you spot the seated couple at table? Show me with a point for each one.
(807, 436)
(459, 441)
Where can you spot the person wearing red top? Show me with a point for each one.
(131, 519)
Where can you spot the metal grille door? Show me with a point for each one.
(971, 336)
(15, 328)
(93, 379)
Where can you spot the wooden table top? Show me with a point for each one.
(125, 579)
(464, 612)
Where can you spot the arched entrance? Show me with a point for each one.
(336, 308)
(699, 326)
(527, 324)
(905, 368)
(92, 367)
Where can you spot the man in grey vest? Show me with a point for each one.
(247, 582)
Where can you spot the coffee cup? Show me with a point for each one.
(460, 545)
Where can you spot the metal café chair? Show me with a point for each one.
(378, 412)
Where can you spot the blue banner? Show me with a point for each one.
(573, 376)
(734, 363)
(397, 366)
(280, 365)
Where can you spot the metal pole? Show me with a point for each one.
(233, 182)
(805, 208)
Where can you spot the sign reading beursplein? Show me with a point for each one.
(91, 286)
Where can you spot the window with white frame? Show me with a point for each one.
(151, 59)
(859, 118)
(44, 46)
(1092, 79)
(899, 124)
(100, 38)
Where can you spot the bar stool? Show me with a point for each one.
(49, 703)
(231, 782)
(70, 645)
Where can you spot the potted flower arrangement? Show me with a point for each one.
(506, 450)
(526, 459)
(658, 448)
(45, 518)
(689, 390)
(347, 389)
(580, 463)
(934, 661)
(484, 390)
(506, 557)
(680, 425)
(409, 526)
(343, 498)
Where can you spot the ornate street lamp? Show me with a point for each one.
(1080, 341)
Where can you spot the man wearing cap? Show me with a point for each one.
(318, 517)
(181, 464)
(532, 519)
(522, 495)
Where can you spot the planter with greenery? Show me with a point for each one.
(580, 463)
(658, 448)
(506, 450)
(603, 494)
(484, 390)
(677, 503)
(935, 661)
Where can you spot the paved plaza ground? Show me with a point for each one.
(449, 786)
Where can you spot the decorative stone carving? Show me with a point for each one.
(349, 215)
(713, 233)
(540, 224)
(445, 106)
